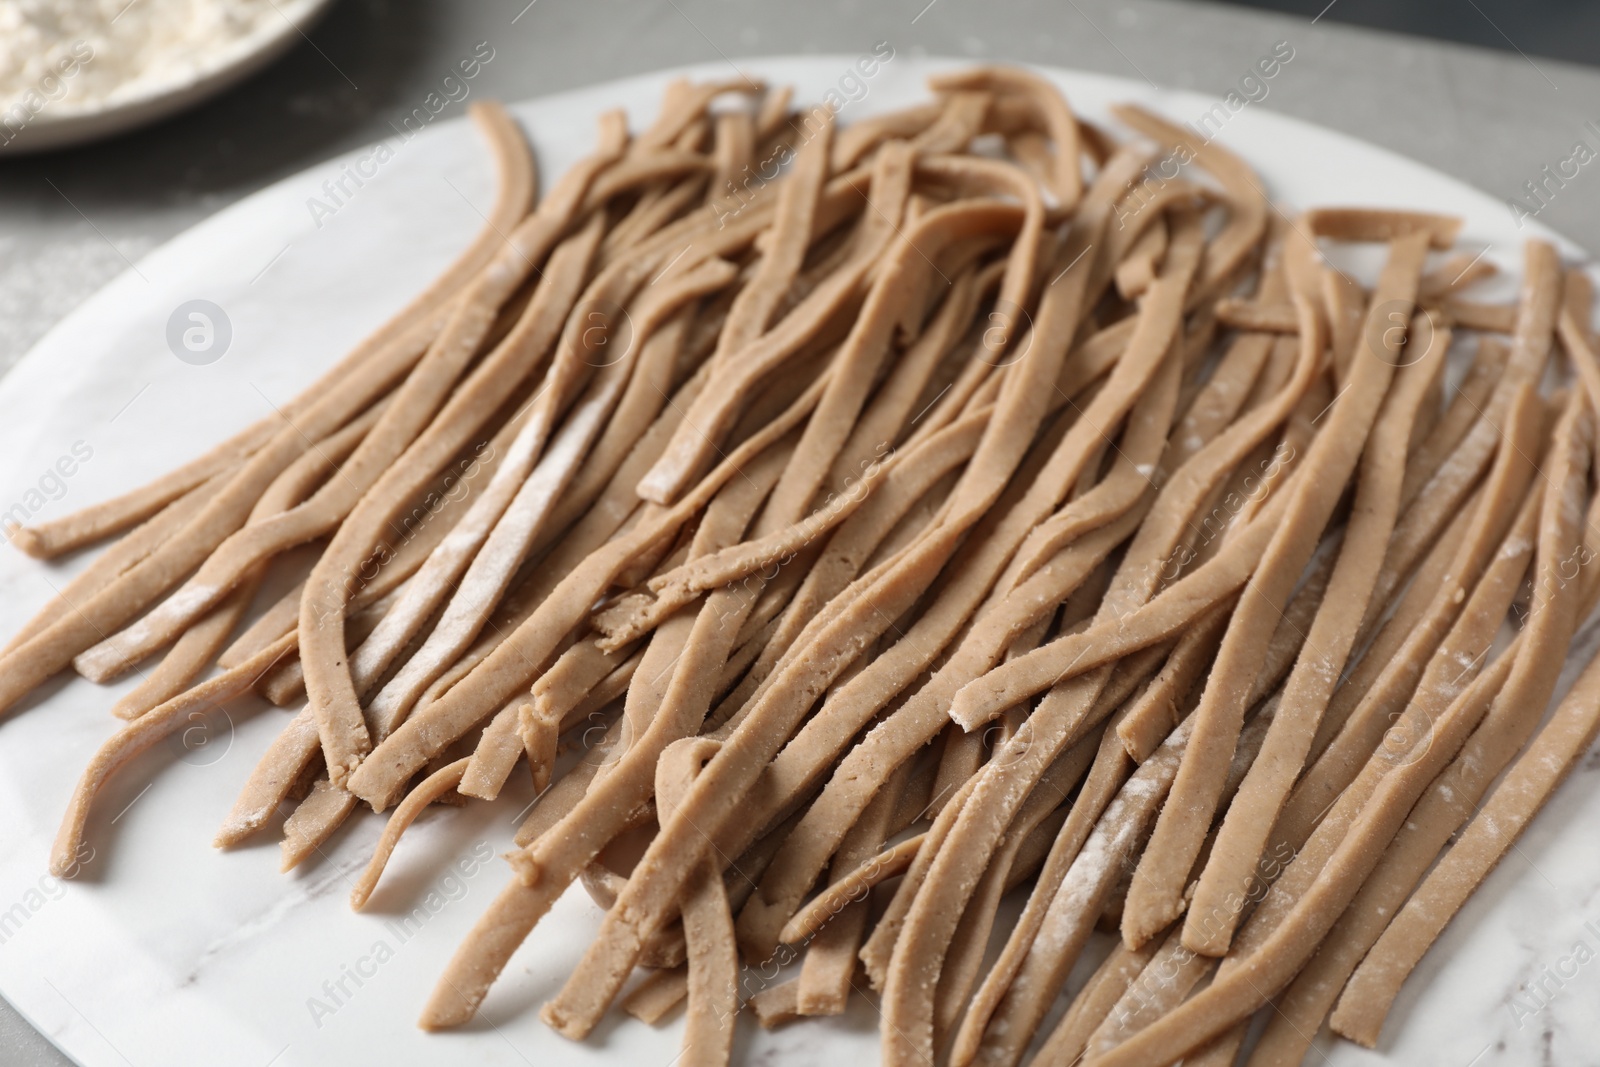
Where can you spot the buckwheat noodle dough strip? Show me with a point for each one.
(574, 674)
(1295, 929)
(1465, 408)
(555, 803)
(1258, 316)
(1247, 221)
(282, 764)
(1464, 705)
(1007, 779)
(515, 182)
(1399, 678)
(1457, 271)
(557, 857)
(1155, 712)
(1077, 904)
(507, 544)
(1155, 897)
(861, 138)
(435, 786)
(655, 998)
(138, 736)
(225, 511)
(1572, 327)
(1094, 1002)
(906, 479)
(279, 768)
(1060, 124)
(413, 408)
(196, 648)
(1163, 983)
(1432, 509)
(1368, 996)
(1489, 318)
(502, 744)
(1041, 812)
(325, 602)
(733, 145)
(793, 223)
(890, 862)
(285, 684)
(1452, 798)
(1345, 304)
(746, 749)
(926, 710)
(446, 563)
(713, 410)
(127, 551)
(504, 671)
(960, 120)
(1396, 628)
(879, 946)
(1245, 826)
(1138, 269)
(826, 976)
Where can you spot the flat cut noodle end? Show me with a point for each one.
(777, 1005)
(101, 664)
(658, 995)
(236, 829)
(312, 823)
(1363, 1029)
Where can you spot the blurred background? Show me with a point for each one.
(1559, 29)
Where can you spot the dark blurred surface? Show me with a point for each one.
(1560, 29)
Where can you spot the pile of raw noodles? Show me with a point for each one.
(985, 502)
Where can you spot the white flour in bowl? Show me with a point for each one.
(85, 54)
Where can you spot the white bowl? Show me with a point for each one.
(60, 127)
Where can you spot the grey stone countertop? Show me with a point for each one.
(72, 220)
